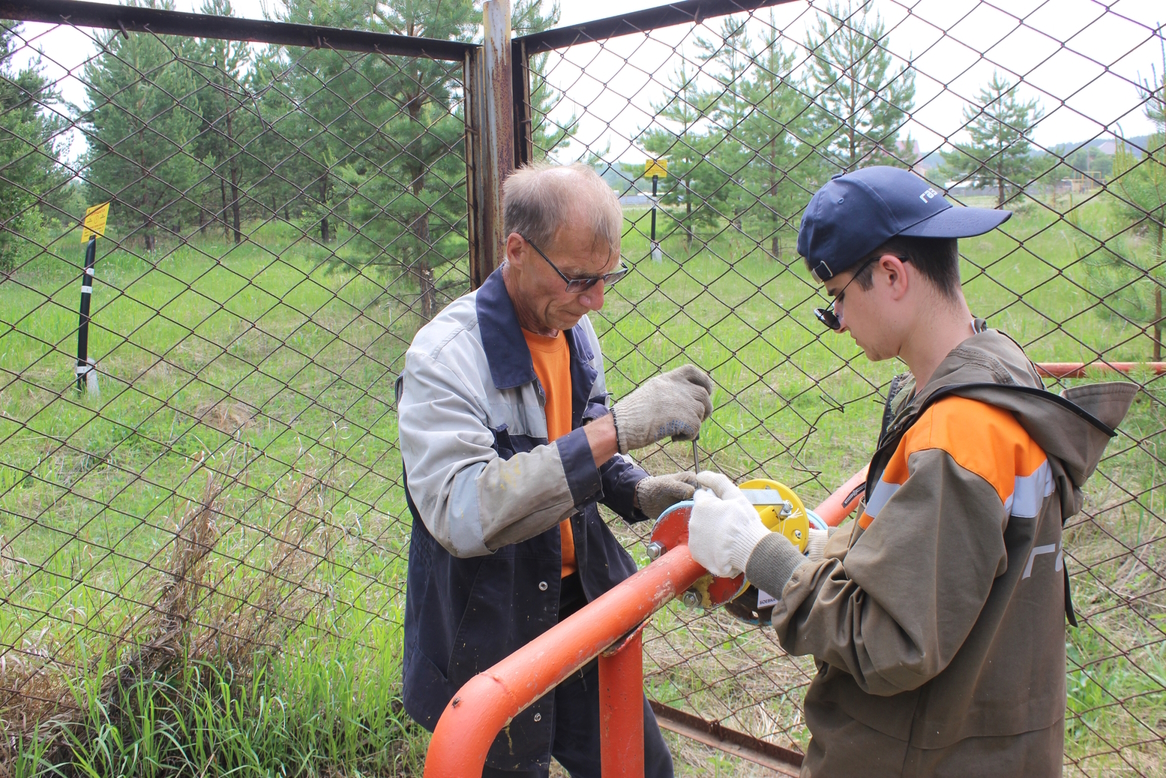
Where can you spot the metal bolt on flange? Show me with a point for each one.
(691, 599)
(655, 550)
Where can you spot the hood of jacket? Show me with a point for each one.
(1073, 426)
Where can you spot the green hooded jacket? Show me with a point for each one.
(938, 619)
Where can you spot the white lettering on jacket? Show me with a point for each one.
(1037, 551)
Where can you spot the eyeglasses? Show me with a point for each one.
(582, 284)
(826, 315)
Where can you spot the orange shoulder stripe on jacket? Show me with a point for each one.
(981, 438)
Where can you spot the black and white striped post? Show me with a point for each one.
(84, 365)
(657, 169)
(91, 229)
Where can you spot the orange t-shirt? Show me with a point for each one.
(552, 365)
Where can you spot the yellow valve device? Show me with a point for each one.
(780, 509)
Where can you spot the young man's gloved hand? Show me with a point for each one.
(672, 404)
(725, 532)
(724, 528)
(656, 494)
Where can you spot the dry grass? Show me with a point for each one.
(201, 605)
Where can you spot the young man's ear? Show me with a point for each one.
(896, 275)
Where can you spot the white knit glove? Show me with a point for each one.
(672, 404)
(724, 527)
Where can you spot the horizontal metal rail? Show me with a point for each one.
(785, 761)
(192, 25)
(1081, 369)
(688, 12)
(489, 700)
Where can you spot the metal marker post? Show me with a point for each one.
(92, 228)
(657, 169)
(655, 245)
(83, 363)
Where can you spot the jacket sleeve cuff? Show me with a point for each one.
(594, 410)
(579, 466)
(773, 563)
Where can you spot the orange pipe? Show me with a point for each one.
(621, 710)
(1080, 369)
(489, 700)
(836, 507)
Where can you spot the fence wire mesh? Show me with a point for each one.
(280, 222)
(283, 219)
(753, 112)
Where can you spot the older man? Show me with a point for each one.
(508, 446)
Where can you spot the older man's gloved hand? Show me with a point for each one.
(656, 494)
(727, 537)
(672, 404)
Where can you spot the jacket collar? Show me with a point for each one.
(502, 339)
(1066, 427)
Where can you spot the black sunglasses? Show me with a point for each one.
(575, 285)
(826, 315)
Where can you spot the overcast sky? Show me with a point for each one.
(1080, 58)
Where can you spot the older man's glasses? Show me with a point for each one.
(826, 315)
(582, 283)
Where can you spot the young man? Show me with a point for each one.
(508, 448)
(938, 617)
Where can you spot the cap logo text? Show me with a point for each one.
(927, 195)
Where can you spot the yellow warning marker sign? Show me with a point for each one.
(656, 167)
(95, 218)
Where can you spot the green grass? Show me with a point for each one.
(297, 715)
(259, 379)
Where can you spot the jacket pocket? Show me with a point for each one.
(485, 633)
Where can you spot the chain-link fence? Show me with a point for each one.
(285, 213)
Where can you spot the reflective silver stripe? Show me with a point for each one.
(86, 290)
(883, 492)
(1029, 492)
(763, 496)
(88, 271)
(83, 369)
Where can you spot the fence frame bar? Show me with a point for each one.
(493, 139)
(192, 25)
(685, 12)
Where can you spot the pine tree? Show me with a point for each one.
(1000, 154)
(141, 119)
(29, 149)
(863, 100)
(228, 123)
(728, 59)
(1140, 185)
(782, 165)
(547, 133)
(276, 161)
(681, 139)
(390, 138)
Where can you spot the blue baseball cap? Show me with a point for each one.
(854, 214)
